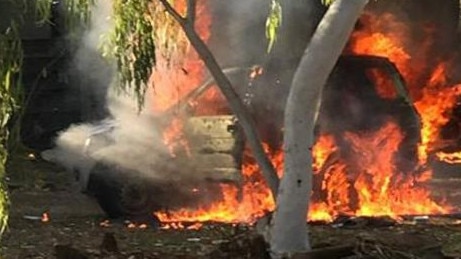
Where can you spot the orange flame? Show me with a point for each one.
(435, 106)
(174, 138)
(243, 205)
(368, 184)
(173, 79)
(382, 190)
(451, 158)
(435, 109)
(45, 217)
(435, 98)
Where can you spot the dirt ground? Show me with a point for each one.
(75, 229)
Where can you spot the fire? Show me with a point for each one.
(243, 205)
(384, 84)
(174, 138)
(381, 189)
(324, 147)
(178, 70)
(239, 203)
(435, 97)
(372, 39)
(45, 217)
(435, 108)
(368, 182)
(451, 158)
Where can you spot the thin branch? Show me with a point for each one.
(191, 11)
(236, 104)
(238, 107)
(170, 9)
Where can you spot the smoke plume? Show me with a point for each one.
(121, 136)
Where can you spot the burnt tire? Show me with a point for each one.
(136, 199)
(124, 194)
(104, 186)
(120, 194)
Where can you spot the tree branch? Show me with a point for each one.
(170, 9)
(191, 11)
(236, 104)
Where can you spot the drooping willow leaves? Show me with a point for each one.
(77, 13)
(10, 72)
(327, 2)
(143, 31)
(43, 10)
(10, 89)
(170, 40)
(133, 45)
(273, 23)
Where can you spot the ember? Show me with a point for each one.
(134, 225)
(45, 217)
(105, 223)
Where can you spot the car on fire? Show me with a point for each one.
(351, 102)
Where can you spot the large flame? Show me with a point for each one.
(381, 189)
(178, 69)
(434, 96)
(368, 183)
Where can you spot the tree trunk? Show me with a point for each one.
(270, 90)
(289, 232)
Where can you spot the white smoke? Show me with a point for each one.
(134, 143)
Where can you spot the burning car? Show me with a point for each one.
(363, 94)
(207, 150)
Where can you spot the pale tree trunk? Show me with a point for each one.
(289, 232)
(236, 104)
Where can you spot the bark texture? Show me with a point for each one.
(289, 232)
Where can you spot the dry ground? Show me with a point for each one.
(74, 229)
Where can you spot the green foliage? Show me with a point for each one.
(327, 2)
(78, 13)
(273, 23)
(10, 89)
(132, 45)
(43, 10)
(170, 40)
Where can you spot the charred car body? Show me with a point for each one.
(216, 143)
